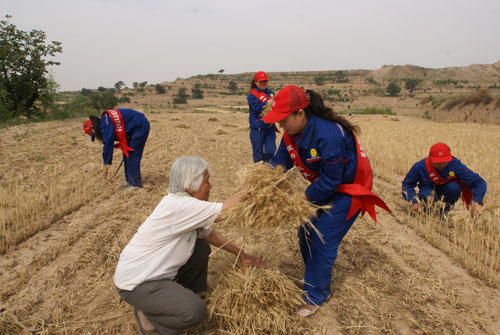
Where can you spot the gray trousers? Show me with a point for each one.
(172, 305)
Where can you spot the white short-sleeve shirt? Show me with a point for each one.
(165, 241)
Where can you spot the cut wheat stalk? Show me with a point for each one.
(261, 301)
(273, 200)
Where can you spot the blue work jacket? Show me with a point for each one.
(256, 106)
(418, 177)
(132, 119)
(327, 148)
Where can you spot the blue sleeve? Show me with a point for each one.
(332, 151)
(409, 183)
(472, 180)
(281, 157)
(255, 105)
(108, 139)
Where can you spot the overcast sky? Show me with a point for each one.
(105, 41)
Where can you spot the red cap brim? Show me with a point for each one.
(273, 116)
(442, 159)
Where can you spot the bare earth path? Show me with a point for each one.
(387, 278)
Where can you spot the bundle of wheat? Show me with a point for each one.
(273, 199)
(267, 108)
(262, 301)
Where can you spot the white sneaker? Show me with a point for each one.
(132, 188)
(125, 184)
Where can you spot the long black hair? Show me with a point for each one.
(95, 126)
(318, 108)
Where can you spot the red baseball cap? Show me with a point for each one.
(440, 153)
(87, 127)
(288, 100)
(261, 76)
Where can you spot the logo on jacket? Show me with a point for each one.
(314, 153)
(451, 173)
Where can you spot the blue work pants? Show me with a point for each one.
(137, 141)
(319, 257)
(263, 143)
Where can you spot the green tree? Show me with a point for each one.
(119, 85)
(411, 84)
(393, 89)
(85, 92)
(196, 91)
(342, 77)
(23, 69)
(48, 94)
(101, 101)
(181, 96)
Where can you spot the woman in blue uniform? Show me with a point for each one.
(324, 148)
(443, 177)
(131, 129)
(262, 136)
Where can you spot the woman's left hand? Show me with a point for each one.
(247, 260)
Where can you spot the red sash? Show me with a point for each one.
(119, 127)
(362, 197)
(438, 180)
(291, 147)
(263, 97)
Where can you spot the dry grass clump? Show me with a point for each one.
(477, 98)
(474, 241)
(274, 199)
(262, 301)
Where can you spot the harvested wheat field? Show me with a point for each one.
(62, 231)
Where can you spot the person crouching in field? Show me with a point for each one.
(443, 177)
(325, 150)
(165, 264)
(131, 129)
(262, 135)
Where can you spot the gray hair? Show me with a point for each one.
(187, 174)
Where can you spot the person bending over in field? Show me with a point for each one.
(325, 150)
(165, 264)
(131, 129)
(443, 177)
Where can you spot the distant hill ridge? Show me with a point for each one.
(473, 73)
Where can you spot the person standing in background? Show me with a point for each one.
(262, 135)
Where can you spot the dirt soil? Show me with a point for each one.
(387, 279)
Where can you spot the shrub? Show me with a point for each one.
(477, 98)
(233, 86)
(393, 89)
(196, 91)
(181, 97)
(160, 89)
(319, 79)
(411, 84)
(372, 81)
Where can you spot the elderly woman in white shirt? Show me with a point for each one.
(165, 264)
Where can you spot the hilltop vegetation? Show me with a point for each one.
(349, 91)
